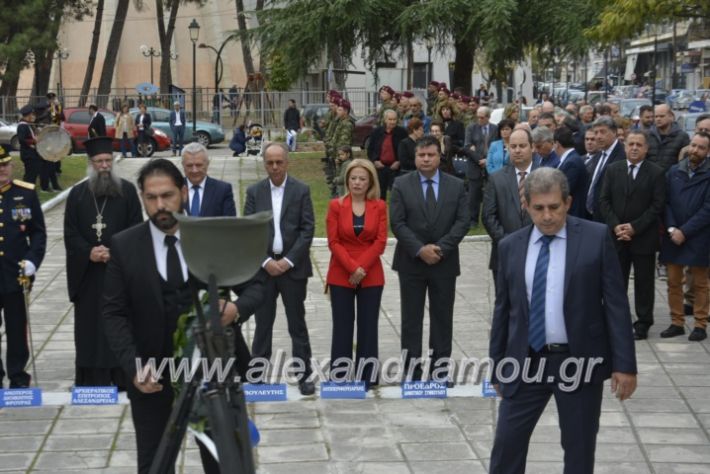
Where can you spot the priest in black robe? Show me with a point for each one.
(96, 209)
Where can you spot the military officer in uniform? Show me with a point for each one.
(26, 136)
(23, 240)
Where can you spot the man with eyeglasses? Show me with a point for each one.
(96, 209)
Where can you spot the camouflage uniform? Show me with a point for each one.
(342, 135)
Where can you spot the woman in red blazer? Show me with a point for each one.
(357, 235)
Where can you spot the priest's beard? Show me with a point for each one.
(163, 220)
(103, 183)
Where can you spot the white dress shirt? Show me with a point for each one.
(636, 167)
(555, 329)
(178, 122)
(191, 192)
(160, 249)
(277, 199)
(528, 170)
(601, 163)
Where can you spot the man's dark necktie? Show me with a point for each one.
(430, 198)
(631, 173)
(173, 266)
(195, 206)
(536, 329)
(595, 178)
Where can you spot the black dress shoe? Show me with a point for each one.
(19, 385)
(698, 334)
(307, 388)
(688, 309)
(640, 332)
(673, 331)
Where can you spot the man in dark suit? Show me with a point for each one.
(477, 138)
(429, 216)
(560, 305)
(610, 150)
(207, 197)
(177, 126)
(97, 125)
(631, 202)
(287, 265)
(145, 291)
(503, 211)
(382, 150)
(573, 168)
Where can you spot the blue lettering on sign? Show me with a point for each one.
(265, 392)
(20, 397)
(423, 390)
(487, 390)
(343, 390)
(696, 106)
(94, 396)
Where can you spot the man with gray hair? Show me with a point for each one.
(545, 147)
(609, 151)
(96, 209)
(477, 138)
(560, 297)
(177, 126)
(207, 196)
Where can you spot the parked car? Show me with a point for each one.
(686, 121)
(8, 135)
(206, 133)
(363, 129)
(679, 99)
(77, 124)
(627, 106)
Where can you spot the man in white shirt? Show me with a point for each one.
(177, 126)
(287, 263)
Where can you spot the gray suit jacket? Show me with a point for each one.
(501, 207)
(474, 136)
(413, 229)
(297, 221)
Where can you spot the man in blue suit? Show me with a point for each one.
(572, 166)
(207, 197)
(177, 126)
(561, 326)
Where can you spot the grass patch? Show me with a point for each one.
(307, 167)
(73, 170)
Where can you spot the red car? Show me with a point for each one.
(77, 124)
(362, 130)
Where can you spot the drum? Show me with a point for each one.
(53, 143)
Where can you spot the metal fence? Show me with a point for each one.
(230, 110)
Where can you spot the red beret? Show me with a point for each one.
(456, 96)
(445, 90)
(466, 99)
(407, 94)
(442, 85)
(397, 96)
(333, 93)
(344, 104)
(387, 89)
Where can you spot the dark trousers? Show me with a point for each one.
(386, 177)
(342, 301)
(475, 198)
(442, 292)
(578, 414)
(33, 165)
(644, 281)
(18, 353)
(293, 294)
(178, 137)
(127, 145)
(150, 416)
(47, 175)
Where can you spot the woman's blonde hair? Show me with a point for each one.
(373, 191)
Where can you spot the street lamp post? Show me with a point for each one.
(150, 52)
(218, 64)
(59, 55)
(194, 35)
(429, 46)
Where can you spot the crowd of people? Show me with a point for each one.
(571, 200)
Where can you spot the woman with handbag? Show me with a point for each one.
(357, 235)
(124, 131)
(143, 122)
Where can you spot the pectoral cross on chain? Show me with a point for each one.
(99, 226)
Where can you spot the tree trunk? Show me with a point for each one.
(243, 39)
(166, 37)
(88, 76)
(111, 53)
(410, 63)
(42, 71)
(258, 9)
(8, 89)
(463, 66)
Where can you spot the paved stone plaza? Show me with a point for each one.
(663, 429)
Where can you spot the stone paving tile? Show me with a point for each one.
(297, 468)
(431, 451)
(447, 467)
(680, 468)
(79, 442)
(15, 462)
(679, 453)
(72, 460)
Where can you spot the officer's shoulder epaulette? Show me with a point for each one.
(23, 184)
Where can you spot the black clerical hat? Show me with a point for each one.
(97, 145)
